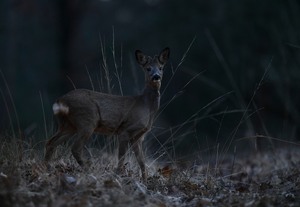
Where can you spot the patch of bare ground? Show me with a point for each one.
(263, 179)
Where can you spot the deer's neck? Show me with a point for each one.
(152, 98)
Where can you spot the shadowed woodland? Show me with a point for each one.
(48, 47)
(231, 84)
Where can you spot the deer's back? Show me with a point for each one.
(109, 113)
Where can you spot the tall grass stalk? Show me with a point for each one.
(269, 138)
(179, 64)
(44, 114)
(229, 74)
(74, 86)
(8, 114)
(244, 115)
(12, 103)
(192, 117)
(105, 66)
(20, 141)
(118, 76)
(179, 93)
(90, 78)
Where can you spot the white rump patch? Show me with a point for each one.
(60, 108)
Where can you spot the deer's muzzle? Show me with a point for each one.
(156, 77)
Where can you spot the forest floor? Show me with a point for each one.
(263, 179)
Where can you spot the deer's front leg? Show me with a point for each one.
(123, 147)
(139, 154)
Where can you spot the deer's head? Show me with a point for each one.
(153, 67)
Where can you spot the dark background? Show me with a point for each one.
(47, 46)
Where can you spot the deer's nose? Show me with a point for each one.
(156, 77)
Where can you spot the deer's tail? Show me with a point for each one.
(60, 108)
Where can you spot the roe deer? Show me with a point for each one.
(82, 112)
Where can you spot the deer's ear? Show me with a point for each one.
(164, 56)
(140, 57)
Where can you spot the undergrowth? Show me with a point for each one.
(264, 179)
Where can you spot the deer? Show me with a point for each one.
(82, 112)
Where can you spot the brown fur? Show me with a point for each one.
(82, 112)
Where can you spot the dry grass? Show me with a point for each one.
(266, 179)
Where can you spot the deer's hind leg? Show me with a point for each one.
(85, 121)
(78, 145)
(65, 131)
(58, 138)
